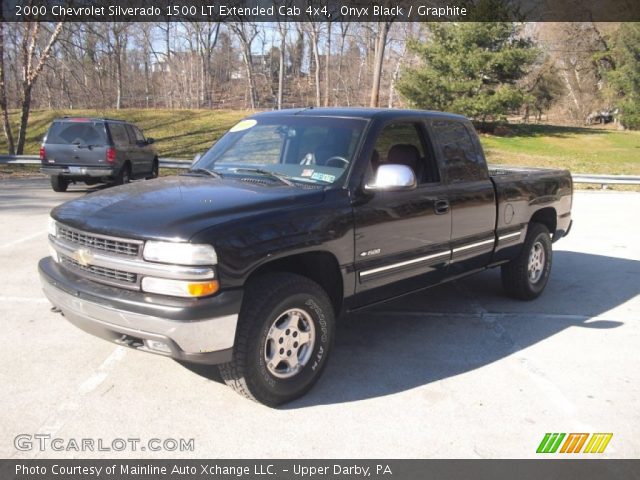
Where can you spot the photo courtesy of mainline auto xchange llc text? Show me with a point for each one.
(319, 239)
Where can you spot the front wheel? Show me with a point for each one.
(525, 276)
(155, 169)
(285, 333)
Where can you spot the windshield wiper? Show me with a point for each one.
(262, 171)
(206, 171)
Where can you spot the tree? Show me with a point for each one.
(3, 94)
(623, 76)
(381, 43)
(469, 68)
(31, 69)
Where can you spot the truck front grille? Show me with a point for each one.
(97, 242)
(107, 275)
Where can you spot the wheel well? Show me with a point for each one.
(547, 217)
(321, 267)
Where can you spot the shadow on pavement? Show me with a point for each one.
(444, 331)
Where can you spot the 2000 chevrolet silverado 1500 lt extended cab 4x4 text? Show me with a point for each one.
(291, 219)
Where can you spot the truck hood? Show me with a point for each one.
(176, 208)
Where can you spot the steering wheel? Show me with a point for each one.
(343, 162)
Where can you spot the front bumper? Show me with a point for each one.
(193, 330)
(73, 171)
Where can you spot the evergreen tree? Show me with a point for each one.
(470, 68)
(623, 75)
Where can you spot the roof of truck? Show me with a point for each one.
(358, 112)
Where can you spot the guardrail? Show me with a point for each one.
(181, 163)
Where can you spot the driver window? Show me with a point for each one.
(402, 143)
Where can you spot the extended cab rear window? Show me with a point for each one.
(79, 133)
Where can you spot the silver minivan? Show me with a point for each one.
(94, 150)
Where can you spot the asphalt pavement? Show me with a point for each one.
(458, 371)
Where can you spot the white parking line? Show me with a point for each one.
(68, 407)
(23, 239)
(23, 299)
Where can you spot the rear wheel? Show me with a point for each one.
(124, 176)
(525, 276)
(284, 337)
(59, 183)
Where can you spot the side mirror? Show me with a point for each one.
(196, 158)
(150, 140)
(392, 177)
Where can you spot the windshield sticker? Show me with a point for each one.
(323, 177)
(243, 125)
(307, 172)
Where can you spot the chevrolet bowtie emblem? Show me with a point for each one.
(83, 256)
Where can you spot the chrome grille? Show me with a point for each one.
(106, 274)
(105, 244)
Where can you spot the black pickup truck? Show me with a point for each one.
(290, 220)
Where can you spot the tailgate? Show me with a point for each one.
(79, 142)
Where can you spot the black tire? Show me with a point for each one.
(124, 175)
(91, 182)
(155, 169)
(59, 183)
(267, 299)
(518, 280)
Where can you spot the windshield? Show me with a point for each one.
(79, 133)
(303, 149)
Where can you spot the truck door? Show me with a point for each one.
(401, 237)
(471, 195)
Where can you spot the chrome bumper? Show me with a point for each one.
(72, 171)
(208, 340)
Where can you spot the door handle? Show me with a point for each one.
(441, 207)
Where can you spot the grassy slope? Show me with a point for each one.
(178, 133)
(582, 150)
(183, 133)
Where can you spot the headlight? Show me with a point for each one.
(180, 253)
(179, 288)
(52, 227)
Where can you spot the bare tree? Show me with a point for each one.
(3, 93)
(381, 42)
(282, 30)
(31, 69)
(246, 33)
(314, 32)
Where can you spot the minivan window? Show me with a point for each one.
(119, 134)
(79, 133)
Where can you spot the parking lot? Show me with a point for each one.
(459, 371)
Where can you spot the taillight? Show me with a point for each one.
(111, 155)
(43, 153)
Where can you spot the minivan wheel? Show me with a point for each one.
(154, 170)
(59, 183)
(284, 336)
(124, 176)
(526, 276)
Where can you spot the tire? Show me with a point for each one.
(526, 276)
(91, 182)
(154, 170)
(271, 305)
(124, 176)
(59, 184)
